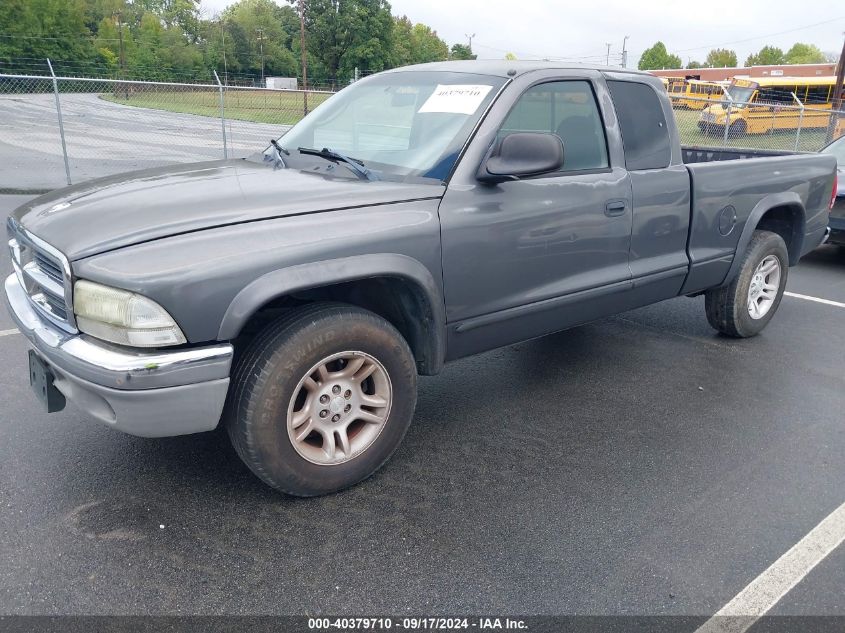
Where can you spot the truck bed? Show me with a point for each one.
(700, 154)
(730, 187)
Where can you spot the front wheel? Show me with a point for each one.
(321, 399)
(746, 305)
(738, 129)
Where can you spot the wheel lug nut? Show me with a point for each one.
(335, 417)
(347, 394)
(323, 413)
(324, 399)
(347, 408)
(336, 389)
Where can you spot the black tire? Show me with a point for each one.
(738, 129)
(270, 369)
(727, 307)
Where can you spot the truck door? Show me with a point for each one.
(532, 256)
(661, 191)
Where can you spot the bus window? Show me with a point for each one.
(781, 95)
(818, 94)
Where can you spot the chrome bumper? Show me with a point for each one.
(143, 393)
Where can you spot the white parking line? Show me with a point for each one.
(827, 302)
(8, 332)
(768, 588)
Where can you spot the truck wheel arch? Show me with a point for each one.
(782, 213)
(424, 328)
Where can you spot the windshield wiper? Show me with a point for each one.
(353, 163)
(276, 157)
(278, 147)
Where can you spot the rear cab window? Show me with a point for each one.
(645, 134)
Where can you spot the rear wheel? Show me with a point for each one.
(321, 399)
(746, 305)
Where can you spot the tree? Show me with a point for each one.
(801, 53)
(38, 29)
(721, 58)
(694, 65)
(416, 44)
(658, 57)
(348, 34)
(403, 44)
(510, 57)
(427, 45)
(767, 56)
(261, 36)
(461, 51)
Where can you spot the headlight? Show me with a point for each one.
(123, 317)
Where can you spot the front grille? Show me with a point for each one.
(49, 267)
(43, 272)
(57, 306)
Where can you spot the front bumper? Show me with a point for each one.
(146, 393)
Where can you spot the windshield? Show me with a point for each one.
(837, 148)
(405, 124)
(739, 94)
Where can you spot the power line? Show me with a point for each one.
(760, 37)
(55, 39)
(597, 56)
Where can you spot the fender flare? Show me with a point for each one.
(783, 199)
(283, 281)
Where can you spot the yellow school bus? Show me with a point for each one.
(675, 86)
(698, 94)
(766, 104)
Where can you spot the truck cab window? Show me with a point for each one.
(645, 134)
(568, 109)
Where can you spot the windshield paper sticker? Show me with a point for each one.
(456, 99)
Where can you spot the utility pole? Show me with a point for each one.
(122, 54)
(225, 67)
(839, 87)
(304, 56)
(607, 61)
(260, 33)
(625, 51)
(469, 37)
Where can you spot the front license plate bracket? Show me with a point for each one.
(41, 380)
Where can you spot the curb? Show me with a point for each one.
(7, 191)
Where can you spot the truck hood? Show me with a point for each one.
(108, 213)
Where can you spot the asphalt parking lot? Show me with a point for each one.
(105, 138)
(638, 465)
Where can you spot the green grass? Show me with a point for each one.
(284, 108)
(809, 141)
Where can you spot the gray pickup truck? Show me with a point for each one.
(419, 216)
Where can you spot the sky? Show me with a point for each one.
(580, 31)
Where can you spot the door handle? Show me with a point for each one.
(615, 208)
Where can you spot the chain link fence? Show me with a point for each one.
(56, 131)
(721, 122)
(60, 130)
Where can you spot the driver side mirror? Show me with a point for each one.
(522, 154)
